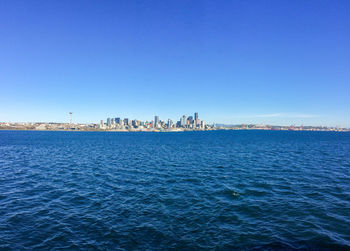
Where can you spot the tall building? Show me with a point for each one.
(196, 120)
(170, 123)
(183, 121)
(178, 123)
(126, 121)
(135, 123)
(102, 124)
(190, 120)
(108, 121)
(118, 120)
(156, 121)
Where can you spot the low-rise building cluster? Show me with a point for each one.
(47, 126)
(280, 128)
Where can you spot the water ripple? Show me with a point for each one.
(247, 190)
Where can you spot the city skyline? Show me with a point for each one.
(259, 62)
(185, 122)
(240, 119)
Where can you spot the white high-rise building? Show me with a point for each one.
(183, 121)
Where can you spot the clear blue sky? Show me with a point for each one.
(274, 62)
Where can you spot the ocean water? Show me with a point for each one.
(186, 191)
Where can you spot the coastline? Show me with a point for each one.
(166, 131)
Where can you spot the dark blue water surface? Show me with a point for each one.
(189, 190)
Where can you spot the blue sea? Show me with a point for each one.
(222, 190)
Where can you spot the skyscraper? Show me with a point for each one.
(183, 120)
(156, 121)
(190, 120)
(134, 123)
(196, 119)
(126, 121)
(170, 123)
(108, 121)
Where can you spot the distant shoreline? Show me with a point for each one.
(165, 131)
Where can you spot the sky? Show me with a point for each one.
(257, 61)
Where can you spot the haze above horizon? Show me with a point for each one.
(271, 62)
